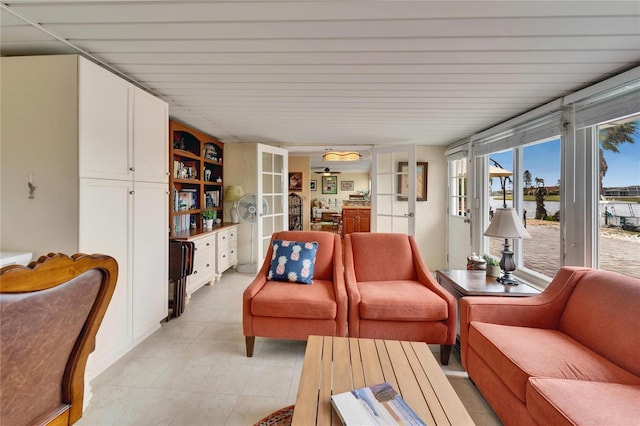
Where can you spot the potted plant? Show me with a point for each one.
(208, 216)
(493, 266)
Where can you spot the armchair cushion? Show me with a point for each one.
(284, 300)
(400, 300)
(293, 261)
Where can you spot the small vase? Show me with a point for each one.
(493, 270)
(208, 223)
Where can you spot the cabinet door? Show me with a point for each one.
(349, 221)
(103, 123)
(104, 222)
(151, 254)
(150, 138)
(364, 221)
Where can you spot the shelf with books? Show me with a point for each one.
(195, 180)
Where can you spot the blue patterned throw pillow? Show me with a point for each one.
(293, 261)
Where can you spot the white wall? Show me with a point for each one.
(241, 168)
(431, 214)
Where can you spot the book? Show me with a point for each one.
(374, 405)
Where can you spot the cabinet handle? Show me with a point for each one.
(224, 255)
(195, 272)
(208, 265)
(208, 244)
(224, 238)
(133, 169)
(132, 192)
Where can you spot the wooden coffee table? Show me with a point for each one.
(339, 364)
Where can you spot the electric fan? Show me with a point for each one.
(248, 212)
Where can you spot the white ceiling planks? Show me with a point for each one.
(339, 73)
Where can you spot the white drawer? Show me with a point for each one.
(226, 258)
(205, 243)
(226, 236)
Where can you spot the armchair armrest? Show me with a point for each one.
(249, 293)
(340, 289)
(541, 311)
(426, 278)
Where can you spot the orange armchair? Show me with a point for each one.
(392, 294)
(285, 310)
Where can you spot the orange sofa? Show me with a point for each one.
(569, 356)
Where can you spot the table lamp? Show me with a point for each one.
(234, 193)
(506, 224)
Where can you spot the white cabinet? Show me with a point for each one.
(104, 123)
(204, 261)
(96, 149)
(227, 249)
(149, 298)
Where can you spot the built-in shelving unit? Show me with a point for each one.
(195, 180)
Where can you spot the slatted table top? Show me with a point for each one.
(338, 364)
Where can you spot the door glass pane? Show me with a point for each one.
(458, 187)
(278, 163)
(267, 226)
(619, 206)
(278, 222)
(267, 183)
(278, 181)
(267, 162)
(276, 204)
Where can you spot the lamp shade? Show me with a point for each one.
(233, 193)
(506, 224)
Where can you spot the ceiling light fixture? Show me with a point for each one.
(341, 156)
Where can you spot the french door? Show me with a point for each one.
(273, 214)
(393, 189)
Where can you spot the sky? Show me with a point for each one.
(543, 161)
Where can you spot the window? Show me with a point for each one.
(535, 170)
(619, 196)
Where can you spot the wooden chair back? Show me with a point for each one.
(50, 312)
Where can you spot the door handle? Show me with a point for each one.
(409, 214)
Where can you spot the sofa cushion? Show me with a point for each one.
(293, 261)
(575, 402)
(602, 313)
(401, 300)
(286, 300)
(517, 353)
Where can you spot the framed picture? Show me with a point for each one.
(346, 185)
(295, 181)
(313, 185)
(329, 184)
(421, 181)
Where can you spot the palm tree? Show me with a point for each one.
(526, 177)
(610, 138)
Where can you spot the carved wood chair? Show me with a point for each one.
(50, 313)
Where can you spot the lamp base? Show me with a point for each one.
(235, 218)
(504, 280)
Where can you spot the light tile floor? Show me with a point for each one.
(193, 371)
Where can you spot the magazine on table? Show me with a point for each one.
(374, 405)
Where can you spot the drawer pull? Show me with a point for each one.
(208, 265)
(208, 244)
(195, 272)
(224, 238)
(224, 255)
